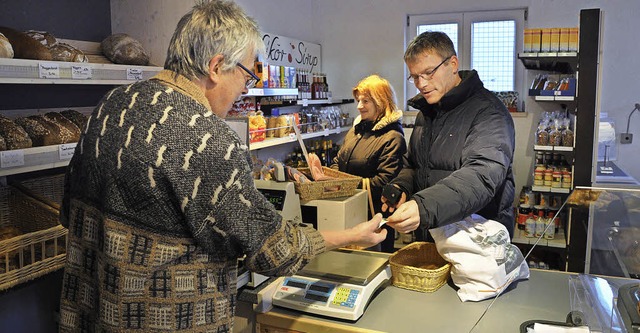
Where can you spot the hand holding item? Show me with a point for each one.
(406, 218)
(392, 197)
(368, 233)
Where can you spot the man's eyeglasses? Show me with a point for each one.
(427, 76)
(250, 83)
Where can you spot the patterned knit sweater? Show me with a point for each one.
(160, 204)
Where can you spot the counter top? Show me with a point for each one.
(545, 296)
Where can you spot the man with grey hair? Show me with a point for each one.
(159, 197)
(460, 155)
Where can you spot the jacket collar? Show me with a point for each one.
(365, 126)
(456, 96)
(183, 85)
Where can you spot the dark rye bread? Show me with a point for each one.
(25, 47)
(14, 135)
(69, 131)
(66, 52)
(42, 37)
(124, 49)
(3, 145)
(76, 117)
(40, 134)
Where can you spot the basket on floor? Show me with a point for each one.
(32, 241)
(419, 267)
(344, 185)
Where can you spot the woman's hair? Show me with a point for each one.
(380, 91)
(211, 28)
(430, 41)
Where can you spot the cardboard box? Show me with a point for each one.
(545, 40)
(554, 45)
(564, 40)
(569, 91)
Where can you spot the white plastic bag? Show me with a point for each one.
(483, 260)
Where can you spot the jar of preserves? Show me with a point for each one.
(557, 179)
(538, 175)
(548, 176)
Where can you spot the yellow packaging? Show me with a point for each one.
(527, 40)
(554, 45)
(536, 36)
(564, 39)
(574, 38)
(545, 40)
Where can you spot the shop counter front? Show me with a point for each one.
(545, 296)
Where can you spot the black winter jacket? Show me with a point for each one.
(460, 157)
(373, 150)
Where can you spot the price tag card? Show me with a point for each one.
(11, 158)
(134, 74)
(65, 151)
(80, 72)
(255, 92)
(326, 132)
(48, 70)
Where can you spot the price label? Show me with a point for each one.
(65, 151)
(255, 92)
(48, 70)
(292, 137)
(305, 102)
(134, 74)
(12, 158)
(326, 132)
(81, 72)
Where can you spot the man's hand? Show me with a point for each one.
(406, 217)
(387, 206)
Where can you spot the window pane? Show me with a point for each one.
(493, 53)
(451, 29)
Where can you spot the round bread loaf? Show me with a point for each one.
(69, 131)
(14, 135)
(66, 52)
(40, 134)
(25, 47)
(123, 49)
(6, 50)
(76, 117)
(42, 37)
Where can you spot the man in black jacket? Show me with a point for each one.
(460, 156)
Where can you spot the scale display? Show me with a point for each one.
(275, 197)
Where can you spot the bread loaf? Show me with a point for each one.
(50, 135)
(25, 47)
(123, 49)
(3, 145)
(40, 134)
(42, 37)
(76, 117)
(6, 50)
(69, 131)
(66, 52)
(14, 135)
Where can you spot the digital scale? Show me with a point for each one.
(337, 284)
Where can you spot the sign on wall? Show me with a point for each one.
(285, 51)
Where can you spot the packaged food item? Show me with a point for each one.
(257, 126)
(542, 136)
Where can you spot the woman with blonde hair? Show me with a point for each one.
(374, 146)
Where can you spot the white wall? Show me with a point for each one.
(360, 37)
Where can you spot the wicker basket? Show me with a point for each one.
(408, 272)
(40, 248)
(343, 186)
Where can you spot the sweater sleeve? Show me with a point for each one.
(230, 217)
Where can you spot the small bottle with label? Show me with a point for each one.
(530, 226)
(541, 222)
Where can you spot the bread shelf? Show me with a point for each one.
(33, 159)
(292, 138)
(24, 71)
(305, 102)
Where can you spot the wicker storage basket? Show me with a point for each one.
(343, 186)
(40, 247)
(409, 267)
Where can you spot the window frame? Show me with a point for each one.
(465, 21)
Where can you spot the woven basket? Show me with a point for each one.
(40, 248)
(344, 185)
(408, 267)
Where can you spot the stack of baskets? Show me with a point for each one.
(30, 209)
(344, 185)
(418, 266)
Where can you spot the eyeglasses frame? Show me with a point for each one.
(250, 83)
(428, 76)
